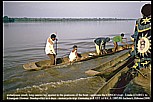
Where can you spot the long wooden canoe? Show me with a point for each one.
(39, 65)
(110, 65)
(118, 82)
(112, 71)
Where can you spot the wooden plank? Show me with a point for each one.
(92, 72)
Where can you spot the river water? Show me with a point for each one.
(25, 42)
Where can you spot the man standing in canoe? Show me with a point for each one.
(100, 45)
(49, 49)
(118, 39)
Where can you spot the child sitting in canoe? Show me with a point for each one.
(74, 56)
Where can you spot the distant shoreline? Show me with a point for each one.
(25, 19)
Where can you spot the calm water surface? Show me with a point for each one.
(25, 42)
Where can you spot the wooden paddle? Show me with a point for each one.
(56, 49)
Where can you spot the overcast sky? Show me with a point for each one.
(47, 9)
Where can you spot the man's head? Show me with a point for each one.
(75, 47)
(53, 36)
(107, 39)
(146, 10)
(122, 35)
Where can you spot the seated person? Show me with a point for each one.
(74, 56)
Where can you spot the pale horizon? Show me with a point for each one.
(73, 9)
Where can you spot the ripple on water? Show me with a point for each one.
(83, 85)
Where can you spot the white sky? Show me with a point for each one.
(111, 9)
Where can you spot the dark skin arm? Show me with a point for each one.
(124, 42)
(104, 45)
(103, 50)
(125, 38)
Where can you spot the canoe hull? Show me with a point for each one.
(65, 60)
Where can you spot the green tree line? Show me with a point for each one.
(6, 19)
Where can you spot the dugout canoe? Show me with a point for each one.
(39, 65)
(119, 82)
(110, 65)
(141, 83)
(115, 73)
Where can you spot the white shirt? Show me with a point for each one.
(72, 56)
(49, 49)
